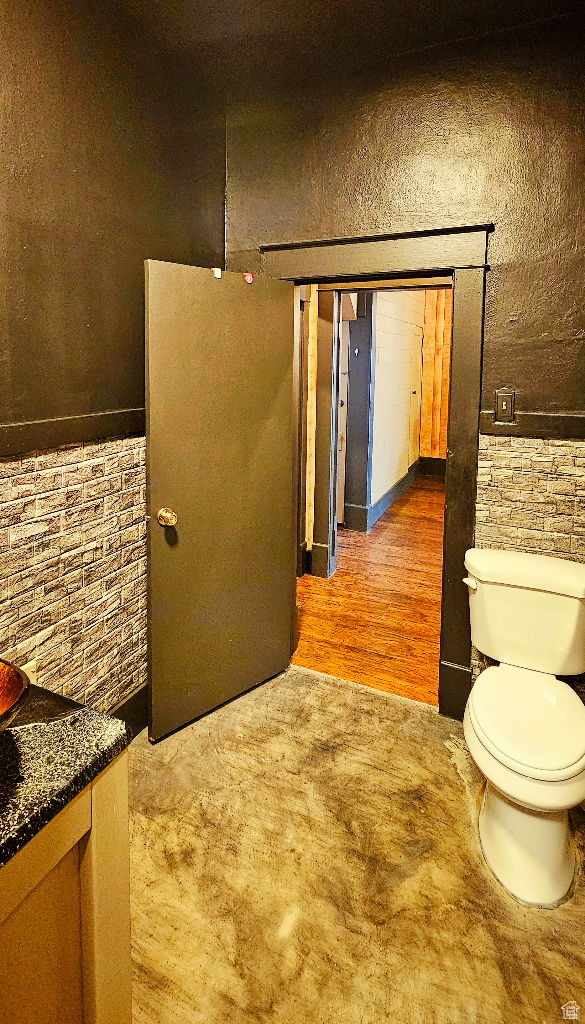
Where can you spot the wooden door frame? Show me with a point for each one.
(462, 252)
(324, 547)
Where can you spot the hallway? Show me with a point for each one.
(377, 620)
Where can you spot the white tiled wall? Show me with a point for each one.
(395, 314)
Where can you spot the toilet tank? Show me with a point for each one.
(527, 610)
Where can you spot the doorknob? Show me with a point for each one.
(166, 517)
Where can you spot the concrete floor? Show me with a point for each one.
(308, 854)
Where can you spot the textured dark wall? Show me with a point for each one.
(110, 155)
(473, 132)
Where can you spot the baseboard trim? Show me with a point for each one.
(557, 425)
(320, 561)
(383, 504)
(361, 518)
(133, 710)
(432, 467)
(36, 435)
(355, 517)
(454, 689)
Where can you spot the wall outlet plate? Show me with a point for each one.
(31, 670)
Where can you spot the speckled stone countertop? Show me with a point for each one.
(52, 750)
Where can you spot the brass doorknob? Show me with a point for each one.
(166, 517)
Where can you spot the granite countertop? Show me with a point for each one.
(53, 749)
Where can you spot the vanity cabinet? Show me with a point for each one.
(65, 913)
(65, 892)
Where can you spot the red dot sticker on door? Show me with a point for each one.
(249, 277)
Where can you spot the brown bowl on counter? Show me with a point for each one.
(14, 691)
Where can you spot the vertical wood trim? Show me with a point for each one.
(446, 373)
(460, 484)
(438, 374)
(426, 410)
(105, 901)
(436, 360)
(313, 319)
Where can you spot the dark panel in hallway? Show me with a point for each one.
(377, 620)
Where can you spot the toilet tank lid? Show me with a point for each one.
(535, 572)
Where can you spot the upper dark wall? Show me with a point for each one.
(110, 155)
(474, 132)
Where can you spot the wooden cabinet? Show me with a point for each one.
(65, 913)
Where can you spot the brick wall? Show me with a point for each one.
(73, 567)
(73, 549)
(530, 497)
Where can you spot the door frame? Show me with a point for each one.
(324, 546)
(462, 252)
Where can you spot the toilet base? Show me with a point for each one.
(530, 852)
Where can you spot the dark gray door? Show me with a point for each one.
(221, 436)
(324, 551)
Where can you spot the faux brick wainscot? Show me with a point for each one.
(530, 497)
(73, 567)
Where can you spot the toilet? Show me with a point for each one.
(525, 728)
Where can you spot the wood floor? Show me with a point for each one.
(377, 620)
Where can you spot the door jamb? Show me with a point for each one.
(324, 547)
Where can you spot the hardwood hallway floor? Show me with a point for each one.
(377, 620)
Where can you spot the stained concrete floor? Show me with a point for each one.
(308, 854)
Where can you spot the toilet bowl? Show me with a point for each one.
(525, 728)
(526, 732)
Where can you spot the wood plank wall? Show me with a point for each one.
(435, 373)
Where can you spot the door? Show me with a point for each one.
(415, 394)
(324, 546)
(343, 392)
(221, 447)
(348, 313)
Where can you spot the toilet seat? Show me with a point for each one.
(525, 790)
(531, 722)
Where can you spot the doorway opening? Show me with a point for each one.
(370, 610)
(458, 254)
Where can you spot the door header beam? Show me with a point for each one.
(428, 252)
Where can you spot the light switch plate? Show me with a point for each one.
(505, 402)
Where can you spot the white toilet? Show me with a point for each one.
(525, 728)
